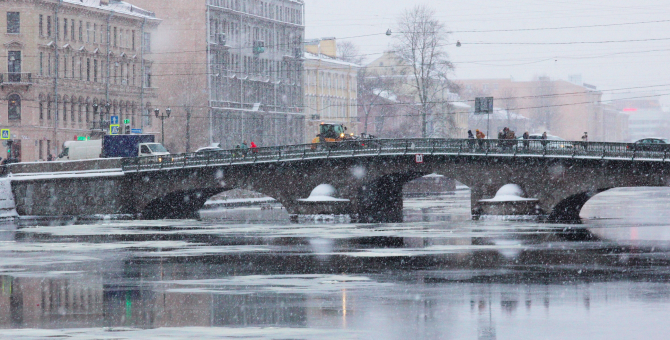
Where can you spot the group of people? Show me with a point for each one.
(244, 148)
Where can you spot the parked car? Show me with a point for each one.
(209, 151)
(554, 145)
(650, 144)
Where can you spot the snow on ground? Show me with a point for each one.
(179, 333)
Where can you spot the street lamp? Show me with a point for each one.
(162, 117)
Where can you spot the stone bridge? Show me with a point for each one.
(370, 173)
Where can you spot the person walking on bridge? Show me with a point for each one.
(585, 141)
(471, 139)
(526, 142)
(480, 136)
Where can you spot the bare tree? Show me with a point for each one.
(375, 95)
(421, 44)
(348, 51)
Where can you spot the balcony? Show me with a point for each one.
(16, 78)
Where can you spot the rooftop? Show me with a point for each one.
(116, 6)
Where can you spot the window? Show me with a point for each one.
(65, 67)
(49, 26)
(13, 22)
(133, 40)
(147, 42)
(41, 63)
(88, 69)
(95, 70)
(41, 110)
(14, 107)
(64, 28)
(72, 30)
(95, 32)
(147, 77)
(81, 30)
(14, 66)
(88, 32)
(41, 25)
(115, 35)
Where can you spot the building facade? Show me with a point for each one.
(330, 87)
(559, 107)
(70, 66)
(231, 71)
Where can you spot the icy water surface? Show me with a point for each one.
(247, 273)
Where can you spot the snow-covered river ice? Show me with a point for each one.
(248, 273)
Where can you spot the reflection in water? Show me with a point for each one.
(421, 280)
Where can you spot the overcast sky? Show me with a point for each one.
(515, 44)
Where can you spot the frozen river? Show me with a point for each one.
(248, 273)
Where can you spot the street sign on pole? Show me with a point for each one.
(114, 120)
(114, 129)
(483, 105)
(136, 130)
(418, 158)
(5, 134)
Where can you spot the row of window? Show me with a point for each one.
(280, 38)
(224, 62)
(263, 9)
(90, 33)
(330, 80)
(92, 69)
(329, 107)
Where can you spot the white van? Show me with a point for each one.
(76, 150)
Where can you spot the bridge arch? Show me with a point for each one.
(569, 208)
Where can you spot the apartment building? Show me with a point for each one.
(231, 70)
(70, 66)
(330, 87)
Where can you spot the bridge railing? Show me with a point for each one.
(515, 147)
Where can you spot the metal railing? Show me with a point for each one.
(16, 78)
(370, 147)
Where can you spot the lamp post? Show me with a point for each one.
(162, 117)
(108, 106)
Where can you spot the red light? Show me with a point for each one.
(629, 109)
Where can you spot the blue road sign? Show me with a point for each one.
(114, 129)
(114, 120)
(136, 130)
(4, 134)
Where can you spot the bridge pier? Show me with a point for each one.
(381, 201)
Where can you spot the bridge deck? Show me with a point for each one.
(360, 148)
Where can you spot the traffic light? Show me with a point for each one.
(127, 130)
(9, 146)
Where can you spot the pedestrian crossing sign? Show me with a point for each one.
(114, 129)
(4, 134)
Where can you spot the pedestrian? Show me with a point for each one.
(526, 142)
(244, 148)
(471, 139)
(585, 140)
(50, 157)
(544, 139)
(501, 136)
(254, 148)
(480, 137)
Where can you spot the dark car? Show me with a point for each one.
(650, 144)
